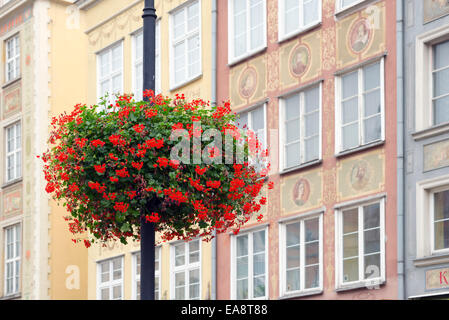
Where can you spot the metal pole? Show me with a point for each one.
(147, 234)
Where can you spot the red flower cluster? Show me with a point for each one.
(154, 218)
(97, 143)
(100, 168)
(122, 207)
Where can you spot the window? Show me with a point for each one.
(440, 75)
(301, 128)
(360, 114)
(12, 58)
(249, 276)
(12, 259)
(440, 220)
(343, 4)
(185, 44)
(301, 257)
(361, 248)
(13, 152)
(136, 274)
(138, 63)
(110, 279)
(297, 15)
(247, 28)
(186, 271)
(110, 71)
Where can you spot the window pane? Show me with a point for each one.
(311, 229)
(242, 246)
(312, 99)
(312, 253)
(117, 292)
(441, 110)
(351, 136)
(372, 266)
(350, 220)
(292, 107)
(441, 55)
(292, 155)
(259, 241)
(291, 15)
(441, 205)
(105, 294)
(373, 129)
(371, 76)
(257, 27)
(242, 289)
(293, 280)
(372, 241)
(351, 270)
(259, 287)
(192, 14)
(350, 245)
(292, 131)
(441, 82)
(345, 3)
(293, 257)
(243, 120)
(310, 11)
(312, 277)
(180, 279)
(312, 149)
(312, 124)
(350, 85)
(293, 234)
(258, 119)
(442, 235)
(194, 276)
(371, 216)
(242, 267)
(259, 264)
(194, 291)
(350, 110)
(372, 103)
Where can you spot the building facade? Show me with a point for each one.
(36, 255)
(316, 81)
(114, 42)
(426, 137)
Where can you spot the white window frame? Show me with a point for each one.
(282, 254)
(362, 282)
(184, 6)
(423, 77)
(108, 50)
(15, 59)
(282, 34)
(424, 216)
(136, 277)
(17, 152)
(17, 258)
(231, 58)
(361, 107)
(186, 268)
(111, 283)
(249, 233)
(282, 134)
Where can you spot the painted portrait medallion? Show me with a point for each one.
(360, 175)
(360, 35)
(301, 192)
(248, 82)
(299, 60)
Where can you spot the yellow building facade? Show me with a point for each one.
(113, 42)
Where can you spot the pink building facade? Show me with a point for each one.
(317, 81)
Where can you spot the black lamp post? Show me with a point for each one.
(147, 234)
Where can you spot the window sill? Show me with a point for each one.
(10, 82)
(186, 82)
(302, 166)
(12, 182)
(235, 61)
(340, 13)
(360, 148)
(12, 296)
(361, 285)
(301, 294)
(431, 132)
(299, 31)
(431, 260)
